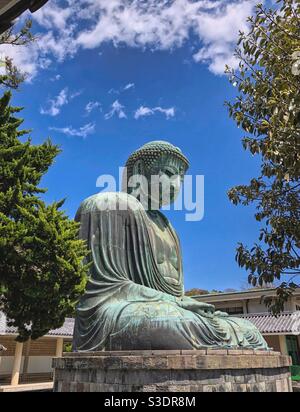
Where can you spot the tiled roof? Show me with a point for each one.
(286, 322)
(65, 331)
(241, 294)
(11, 9)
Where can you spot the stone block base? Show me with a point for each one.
(211, 370)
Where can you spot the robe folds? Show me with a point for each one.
(128, 304)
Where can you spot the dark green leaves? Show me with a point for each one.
(267, 109)
(41, 270)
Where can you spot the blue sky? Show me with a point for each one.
(101, 89)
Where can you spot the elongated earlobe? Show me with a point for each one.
(139, 168)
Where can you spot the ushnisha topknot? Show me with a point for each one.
(151, 151)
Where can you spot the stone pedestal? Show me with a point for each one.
(211, 370)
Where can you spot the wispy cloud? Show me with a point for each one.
(143, 111)
(116, 109)
(113, 91)
(170, 112)
(55, 78)
(121, 89)
(55, 104)
(90, 106)
(75, 94)
(129, 86)
(83, 131)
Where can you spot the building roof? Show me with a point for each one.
(266, 323)
(66, 331)
(11, 9)
(285, 323)
(240, 295)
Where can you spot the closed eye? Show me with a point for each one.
(168, 173)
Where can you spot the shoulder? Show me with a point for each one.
(109, 201)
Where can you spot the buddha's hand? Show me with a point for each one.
(221, 314)
(204, 309)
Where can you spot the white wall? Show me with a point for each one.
(6, 364)
(254, 305)
(40, 364)
(36, 364)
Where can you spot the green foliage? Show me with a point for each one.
(67, 347)
(295, 372)
(230, 290)
(268, 110)
(296, 378)
(215, 291)
(41, 270)
(12, 77)
(196, 291)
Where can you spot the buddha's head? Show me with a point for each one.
(155, 171)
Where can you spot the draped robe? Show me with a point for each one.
(128, 303)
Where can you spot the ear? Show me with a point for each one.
(139, 168)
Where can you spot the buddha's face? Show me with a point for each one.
(165, 178)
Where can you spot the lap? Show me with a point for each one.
(164, 325)
(151, 325)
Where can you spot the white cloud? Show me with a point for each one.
(121, 89)
(90, 106)
(143, 111)
(165, 25)
(26, 58)
(53, 16)
(55, 104)
(55, 78)
(75, 94)
(116, 109)
(152, 24)
(170, 112)
(113, 91)
(128, 86)
(83, 131)
(218, 32)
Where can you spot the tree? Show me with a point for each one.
(41, 270)
(12, 76)
(196, 291)
(268, 110)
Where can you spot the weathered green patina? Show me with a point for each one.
(135, 297)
